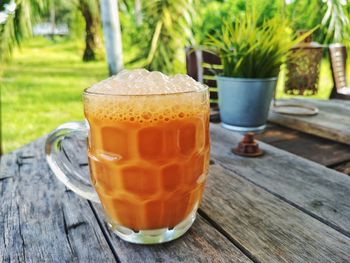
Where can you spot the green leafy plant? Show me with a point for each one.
(249, 49)
(18, 23)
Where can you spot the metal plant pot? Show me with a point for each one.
(244, 103)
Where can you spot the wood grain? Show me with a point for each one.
(41, 221)
(332, 121)
(278, 208)
(266, 226)
(313, 188)
(202, 243)
(334, 106)
(320, 150)
(263, 243)
(75, 150)
(343, 167)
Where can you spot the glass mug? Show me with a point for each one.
(148, 160)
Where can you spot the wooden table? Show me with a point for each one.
(276, 208)
(324, 138)
(323, 151)
(332, 121)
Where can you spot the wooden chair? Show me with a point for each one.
(338, 56)
(202, 66)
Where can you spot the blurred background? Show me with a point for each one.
(50, 50)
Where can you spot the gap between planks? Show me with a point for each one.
(222, 155)
(322, 220)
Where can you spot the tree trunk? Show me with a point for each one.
(113, 37)
(92, 38)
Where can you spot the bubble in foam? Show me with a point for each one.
(131, 75)
(122, 75)
(139, 74)
(157, 77)
(143, 82)
(146, 110)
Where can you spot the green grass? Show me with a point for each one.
(41, 88)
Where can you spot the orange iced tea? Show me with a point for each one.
(148, 155)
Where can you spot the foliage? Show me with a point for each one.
(210, 14)
(164, 32)
(18, 25)
(207, 20)
(166, 26)
(250, 49)
(41, 88)
(63, 10)
(335, 22)
(33, 106)
(131, 32)
(66, 12)
(76, 24)
(332, 17)
(305, 14)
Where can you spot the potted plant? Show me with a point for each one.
(252, 52)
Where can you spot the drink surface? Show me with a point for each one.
(148, 153)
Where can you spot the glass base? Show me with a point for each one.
(154, 236)
(243, 130)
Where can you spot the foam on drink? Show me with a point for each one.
(143, 82)
(128, 97)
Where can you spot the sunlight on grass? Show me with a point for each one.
(42, 88)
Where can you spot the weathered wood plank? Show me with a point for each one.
(202, 243)
(53, 224)
(266, 226)
(75, 148)
(332, 121)
(334, 106)
(343, 167)
(275, 133)
(320, 150)
(41, 221)
(313, 188)
(265, 243)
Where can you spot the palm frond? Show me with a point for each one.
(19, 25)
(336, 21)
(166, 28)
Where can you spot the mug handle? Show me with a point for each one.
(62, 167)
